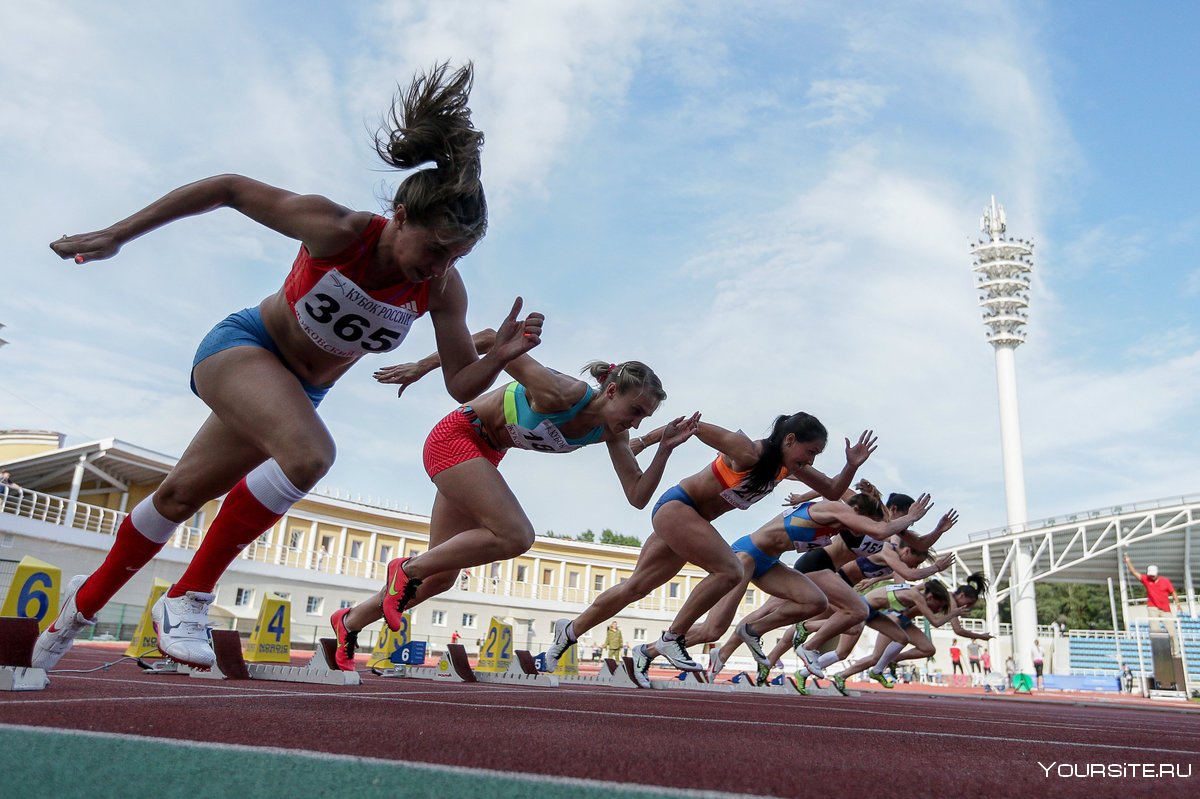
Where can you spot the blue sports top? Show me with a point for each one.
(804, 533)
(540, 432)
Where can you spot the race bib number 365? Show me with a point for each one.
(344, 320)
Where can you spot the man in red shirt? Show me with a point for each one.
(1157, 589)
(1157, 606)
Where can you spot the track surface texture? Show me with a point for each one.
(877, 743)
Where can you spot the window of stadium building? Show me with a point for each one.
(469, 621)
(356, 548)
(572, 579)
(244, 597)
(673, 590)
(599, 582)
(522, 574)
(313, 606)
(639, 633)
(547, 576)
(749, 600)
(385, 553)
(437, 618)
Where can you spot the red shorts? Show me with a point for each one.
(455, 440)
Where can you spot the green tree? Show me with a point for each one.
(609, 537)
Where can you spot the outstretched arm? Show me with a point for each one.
(639, 486)
(925, 542)
(466, 374)
(963, 631)
(1129, 563)
(325, 227)
(742, 451)
(892, 558)
(880, 531)
(835, 488)
(405, 374)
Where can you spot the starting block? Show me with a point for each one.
(608, 670)
(816, 689)
(521, 671)
(17, 637)
(453, 667)
(691, 681)
(780, 684)
(232, 665)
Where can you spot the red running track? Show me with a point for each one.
(875, 744)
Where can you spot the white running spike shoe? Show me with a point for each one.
(57, 639)
(810, 659)
(182, 627)
(562, 642)
(675, 651)
(715, 664)
(641, 666)
(753, 642)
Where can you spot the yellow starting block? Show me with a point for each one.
(232, 665)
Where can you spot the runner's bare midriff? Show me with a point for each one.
(311, 363)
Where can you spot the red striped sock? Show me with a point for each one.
(242, 519)
(130, 552)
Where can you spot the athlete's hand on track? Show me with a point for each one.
(515, 338)
(95, 246)
(402, 374)
(857, 455)
(947, 521)
(678, 431)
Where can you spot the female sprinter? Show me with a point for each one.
(965, 597)
(896, 604)
(743, 472)
(821, 566)
(809, 526)
(900, 558)
(476, 519)
(357, 285)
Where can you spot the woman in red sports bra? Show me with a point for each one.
(359, 281)
(743, 472)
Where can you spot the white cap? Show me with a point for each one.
(1151, 571)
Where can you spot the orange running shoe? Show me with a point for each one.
(399, 592)
(347, 641)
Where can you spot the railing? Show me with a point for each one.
(91, 518)
(1085, 516)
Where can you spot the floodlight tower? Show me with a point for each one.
(1003, 267)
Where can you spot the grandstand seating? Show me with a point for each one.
(1092, 654)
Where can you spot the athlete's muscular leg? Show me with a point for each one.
(445, 522)
(717, 621)
(695, 540)
(259, 411)
(656, 564)
(501, 530)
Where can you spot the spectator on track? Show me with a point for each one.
(1039, 657)
(613, 640)
(975, 656)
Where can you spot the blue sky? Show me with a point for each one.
(770, 204)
